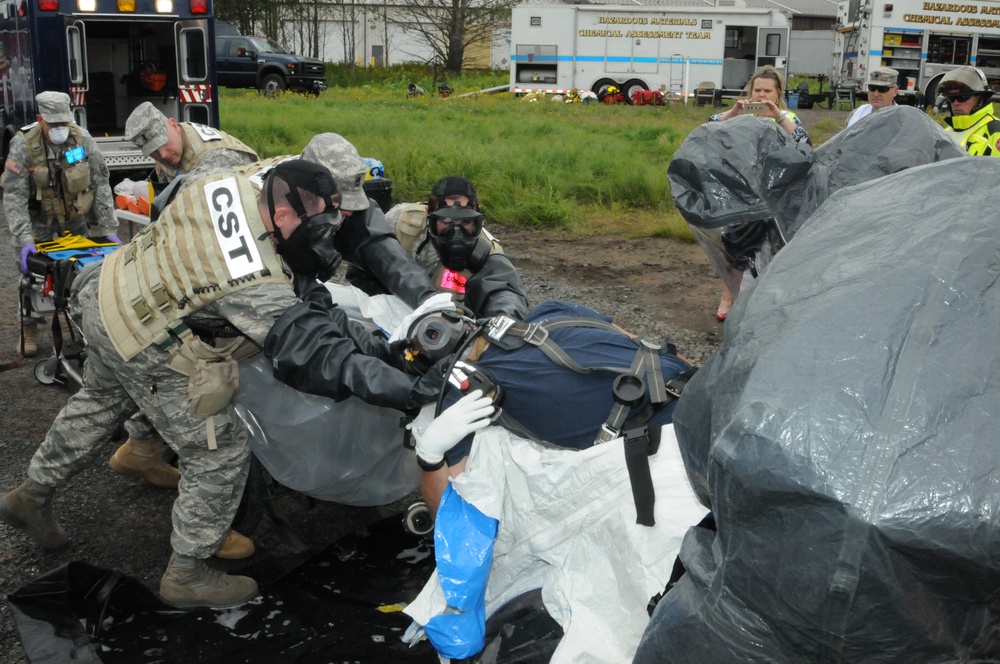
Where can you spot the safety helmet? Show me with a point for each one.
(965, 81)
(436, 335)
(611, 90)
(454, 230)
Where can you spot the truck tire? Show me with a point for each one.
(930, 92)
(631, 86)
(601, 84)
(272, 84)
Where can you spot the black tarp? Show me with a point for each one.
(341, 605)
(845, 437)
(727, 177)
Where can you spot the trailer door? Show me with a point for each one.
(772, 48)
(76, 54)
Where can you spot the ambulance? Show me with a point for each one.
(109, 56)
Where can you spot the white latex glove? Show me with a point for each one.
(467, 415)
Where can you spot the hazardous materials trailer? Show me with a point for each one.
(591, 47)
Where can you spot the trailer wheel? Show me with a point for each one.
(601, 85)
(272, 84)
(633, 85)
(930, 92)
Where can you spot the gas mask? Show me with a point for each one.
(58, 135)
(309, 250)
(436, 335)
(454, 231)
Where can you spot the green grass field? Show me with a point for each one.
(588, 169)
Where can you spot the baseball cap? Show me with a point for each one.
(54, 107)
(347, 167)
(147, 128)
(883, 76)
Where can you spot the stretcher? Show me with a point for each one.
(44, 291)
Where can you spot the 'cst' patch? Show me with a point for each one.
(13, 167)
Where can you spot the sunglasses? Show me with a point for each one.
(960, 98)
(878, 88)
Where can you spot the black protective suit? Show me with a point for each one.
(494, 288)
(314, 347)
(375, 256)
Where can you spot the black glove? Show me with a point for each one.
(428, 387)
(310, 290)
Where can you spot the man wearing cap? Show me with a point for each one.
(366, 240)
(179, 148)
(883, 85)
(166, 320)
(54, 180)
(446, 236)
(972, 121)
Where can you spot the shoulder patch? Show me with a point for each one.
(13, 167)
(104, 170)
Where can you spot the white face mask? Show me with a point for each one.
(58, 135)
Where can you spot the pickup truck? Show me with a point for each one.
(262, 63)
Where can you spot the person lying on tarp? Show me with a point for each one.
(566, 376)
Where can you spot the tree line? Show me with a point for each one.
(446, 27)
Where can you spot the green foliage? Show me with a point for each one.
(539, 164)
(397, 77)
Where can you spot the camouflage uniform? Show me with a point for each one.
(25, 218)
(114, 388)
(205, 150)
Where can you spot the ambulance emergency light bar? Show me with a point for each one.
(126, 6)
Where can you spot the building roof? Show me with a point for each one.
(790, 7)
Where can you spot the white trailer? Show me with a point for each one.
(590, 47)
(921, 40)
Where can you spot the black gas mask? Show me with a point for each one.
(454, 231)
(309, 250)
(436, 335)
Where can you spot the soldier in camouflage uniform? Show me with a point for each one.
(179, 148)
(167, 316)
(54, 180)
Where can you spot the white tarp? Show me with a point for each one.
(567, 526)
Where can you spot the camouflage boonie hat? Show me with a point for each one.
(147, 128)
(348, 168)
(54, 107)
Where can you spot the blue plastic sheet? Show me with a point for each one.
(463, 548)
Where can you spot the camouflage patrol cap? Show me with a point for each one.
(147, 128)
(348, 168)
(54, 107)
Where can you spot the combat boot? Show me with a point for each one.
(189, 583)
(30, 341)
(29, 507)
(235, 547)
(141, 458)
